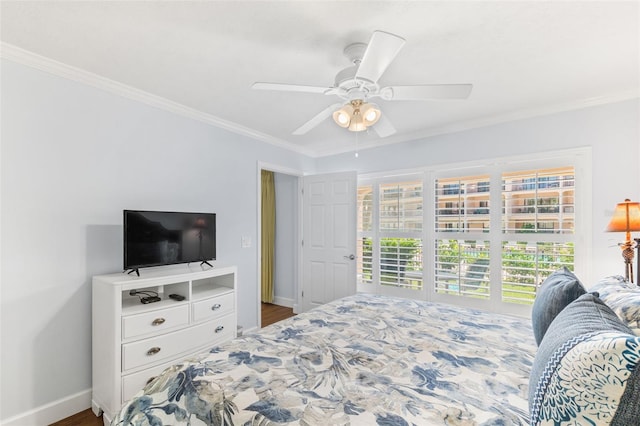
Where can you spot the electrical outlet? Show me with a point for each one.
(245, 242)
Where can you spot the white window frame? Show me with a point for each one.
(579, 158)
(375, 180)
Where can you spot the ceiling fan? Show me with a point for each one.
(356, 84)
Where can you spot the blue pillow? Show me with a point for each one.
(609, 284)
(623, 298)
(556, 292)
(587, 369)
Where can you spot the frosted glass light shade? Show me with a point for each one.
(357, 115)
(370, 113)
(342, 117)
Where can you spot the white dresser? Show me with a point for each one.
(133, 342)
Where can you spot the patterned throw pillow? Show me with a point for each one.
(584, 384)
(556, 292)
(586, 369)
(623, 298)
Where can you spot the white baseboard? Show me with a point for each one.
(283, 301)
(249, 330)
(53, 411)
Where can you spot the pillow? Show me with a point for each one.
(586, 368)
(623, 298)
(556, 292)
(608, 285)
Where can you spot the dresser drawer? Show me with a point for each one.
(223, 329)
(161, 348)
(155, 321)
(213, 307)
(132, 383)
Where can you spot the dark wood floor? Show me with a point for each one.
(274, 313)
(83, 418)
(270, 314)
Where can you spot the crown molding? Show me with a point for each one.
(33, 60)
(28, 58)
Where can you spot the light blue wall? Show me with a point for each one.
(73, 157)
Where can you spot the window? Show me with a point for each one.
(545, 205)
(365, 226)
(535, 203)
(399, 239)
(390, 233)
(401, 206)
(479, 235)
(461, 263)
(462, 203)
(526, 264)
(462, 268)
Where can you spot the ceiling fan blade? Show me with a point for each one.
(426, 91)
(289, 87)
(381, 51)
(384, 127)
(319, 118)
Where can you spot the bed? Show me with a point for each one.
(361, 360)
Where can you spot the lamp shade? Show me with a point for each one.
(626, 217)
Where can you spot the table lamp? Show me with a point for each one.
(626, 218)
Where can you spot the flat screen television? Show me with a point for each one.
(154, 238)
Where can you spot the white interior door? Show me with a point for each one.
(329, 238)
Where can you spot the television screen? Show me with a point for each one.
(153, 238)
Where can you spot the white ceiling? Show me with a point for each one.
(523, 58)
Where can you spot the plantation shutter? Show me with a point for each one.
(538, 225)
(400, 234)
(364, 245)
(462, 255)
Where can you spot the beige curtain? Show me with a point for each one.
(268, 234)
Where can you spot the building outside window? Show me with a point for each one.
(390, 233)
(487, 236)
(462, 263)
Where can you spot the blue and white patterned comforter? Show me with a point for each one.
(362, 360)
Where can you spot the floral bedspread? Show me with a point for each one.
(362, 360)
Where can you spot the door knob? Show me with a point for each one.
(350, 257)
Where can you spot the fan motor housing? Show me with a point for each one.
(353, 87)
(346, 78)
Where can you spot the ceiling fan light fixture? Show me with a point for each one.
(342, 117)
(357, 115)
(357, 122)
(371, 114)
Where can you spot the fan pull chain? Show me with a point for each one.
(356, 144)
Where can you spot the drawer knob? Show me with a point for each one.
(158, 321)
(216, 307)
(219, 329)
(153, 351)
